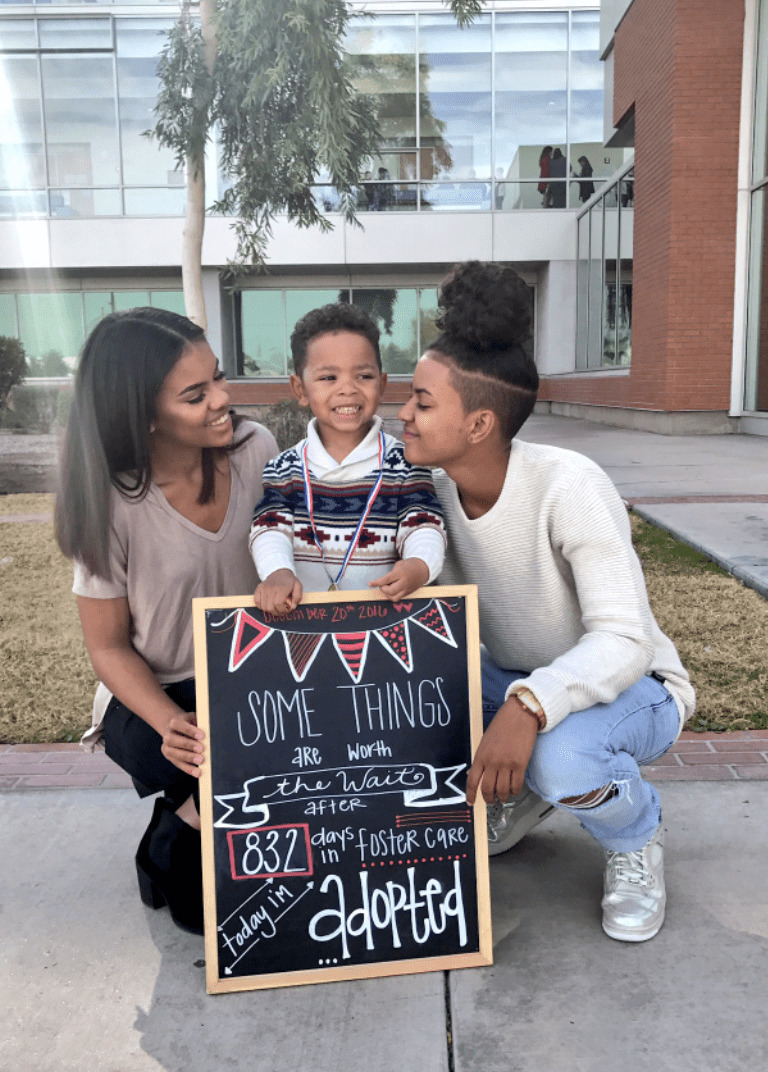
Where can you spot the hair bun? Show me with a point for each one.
(485, 306)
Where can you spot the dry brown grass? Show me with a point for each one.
(719, 627)
(47, 684)
(46, 680)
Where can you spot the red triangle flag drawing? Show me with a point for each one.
(434, 621)
(353, 648)
(249, 635)
(397, 640)
(301, 649)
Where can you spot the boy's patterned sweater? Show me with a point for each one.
(406, 519)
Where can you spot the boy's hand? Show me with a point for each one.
(503, 754)
(280, 593)
(405, 577)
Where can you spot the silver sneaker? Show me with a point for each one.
(635, 898)
(508, 823)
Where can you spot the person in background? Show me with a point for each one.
(586, 188)
(157, 485)
(557, 172)
(543, 187)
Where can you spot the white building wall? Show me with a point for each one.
(413, 238)
(556, 318)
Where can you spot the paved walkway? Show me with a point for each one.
(91, 979)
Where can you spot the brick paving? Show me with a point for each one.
(695, 757)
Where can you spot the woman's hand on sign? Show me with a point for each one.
(405, 577)
(280, 593)
(503, 754)
(183, 743)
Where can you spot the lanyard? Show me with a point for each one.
(309, 499)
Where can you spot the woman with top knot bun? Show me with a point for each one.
(580, 686)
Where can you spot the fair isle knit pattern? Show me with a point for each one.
(562, 594)
(405, 508)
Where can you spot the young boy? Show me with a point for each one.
(580, 686)
(343, 509)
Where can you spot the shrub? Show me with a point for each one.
(32, 408)
(287, 421)
(13, 367)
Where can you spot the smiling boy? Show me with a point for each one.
(343, 509)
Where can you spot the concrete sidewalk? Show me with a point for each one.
(710, 491)
(92, 981)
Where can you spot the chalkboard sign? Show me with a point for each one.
(337, 841)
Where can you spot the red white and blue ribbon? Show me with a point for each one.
(309, 499)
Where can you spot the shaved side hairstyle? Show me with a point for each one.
(485, 322)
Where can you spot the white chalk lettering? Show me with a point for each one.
(400, 909)
(444, 837)
(376, 708)
(268, 711)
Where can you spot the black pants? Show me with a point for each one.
(135, 746)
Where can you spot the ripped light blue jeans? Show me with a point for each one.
(602, 745)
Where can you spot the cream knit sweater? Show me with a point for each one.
(562, 594)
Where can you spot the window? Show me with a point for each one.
(404, 315)
(139, 42)
(73, 109)
(53, 325)
(465, 114)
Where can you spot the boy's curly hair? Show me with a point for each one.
(337, 316)
(485, 322)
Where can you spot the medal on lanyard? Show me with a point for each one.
(309, 499)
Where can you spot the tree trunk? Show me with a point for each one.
(194, 223)
(192, 243)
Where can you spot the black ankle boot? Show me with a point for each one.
(169, 867)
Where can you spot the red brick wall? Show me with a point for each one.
(679, 63)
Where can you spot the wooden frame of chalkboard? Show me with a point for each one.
(337, 841)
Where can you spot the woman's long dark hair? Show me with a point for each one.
(107, 442)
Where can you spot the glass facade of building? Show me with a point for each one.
(505, 114)
(53, 324)
(404, 315)
(756, 392)
(76, 95)
(604, 276)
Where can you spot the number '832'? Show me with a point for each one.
(270, 852)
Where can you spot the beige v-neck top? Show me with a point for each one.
(161, 561)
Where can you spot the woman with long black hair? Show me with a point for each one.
(158, 482)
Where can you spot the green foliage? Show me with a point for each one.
(378, 304)
(13, 366)
(184, 102)
(285, 109)
(464, 11)
(52, 363)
